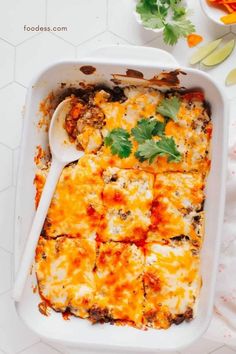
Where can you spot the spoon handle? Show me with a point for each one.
(36, 228)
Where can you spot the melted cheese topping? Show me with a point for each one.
(191, 132)
(119, 287)
(64, 269)
(127, 198)
(172, 283)
(121, 240)
(74, 210)
(178, 197)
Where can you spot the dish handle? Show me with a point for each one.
(134, 54)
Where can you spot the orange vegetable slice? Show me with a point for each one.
(229, 19)
(194, 39)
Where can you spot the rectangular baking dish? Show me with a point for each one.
(77, 332)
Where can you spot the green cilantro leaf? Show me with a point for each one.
(167, 14)
(118, 140)
(151, 149)
(169, 107)
(146, 129)
(177, 29)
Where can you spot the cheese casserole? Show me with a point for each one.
(121, 241)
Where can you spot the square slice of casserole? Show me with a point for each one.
(172, 283)
(76, 207)
(64, 269)
(127, 198)
(119, 286)
(177, 207)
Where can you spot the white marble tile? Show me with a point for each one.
(5, 269)
(102, 40)
(224, 350)
(121, 21)
(17, 335)
(40, 348)
(6, 63)
(38, 52)
(4, 343)
(202, 346)
(7, 205)
(15, 14)
(6, 167)
(83, 19)
(13, 99)
(16, 158)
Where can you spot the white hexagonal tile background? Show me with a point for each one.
(33, 55)
(5, 270)
(11, 114)
(126, 26)
(90, 25)
(6, 63)
(7, 201)
(83, 19)
(104, 39)
(15, 14)
(6, 167)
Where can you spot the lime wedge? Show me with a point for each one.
(231, 78)
(220, 54)
(204, 51)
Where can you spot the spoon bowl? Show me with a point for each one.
(61, 147)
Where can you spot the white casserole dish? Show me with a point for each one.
(77, 332)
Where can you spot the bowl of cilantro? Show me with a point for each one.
(169, 17)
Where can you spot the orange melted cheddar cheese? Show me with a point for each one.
(76, 207)
(122, 238)
(176, 208)
(127, 198)
(64, 268)
(191, 131)
(119, 286)
(171, 282)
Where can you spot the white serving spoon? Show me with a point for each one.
(63, 152)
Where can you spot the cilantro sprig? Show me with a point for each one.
(170, 15)
(118, 140)
(147, 128)
(169, 107)
(151, 149)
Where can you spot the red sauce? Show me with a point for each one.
(194, 96)
(87, 69)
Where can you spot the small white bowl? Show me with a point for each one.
(213, 13)
(138, 19)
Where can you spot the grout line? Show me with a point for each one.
(20, 84)
(28, 347)
(8, 84)
(14, 68)
(63, 39)
(123, 39)
(7, 42)
(10, 253)
(28, 39)
(91, 38)
(220, 347)
(51, 346)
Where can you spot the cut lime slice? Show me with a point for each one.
(204, 51)
(231, 78)
(219, 55)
